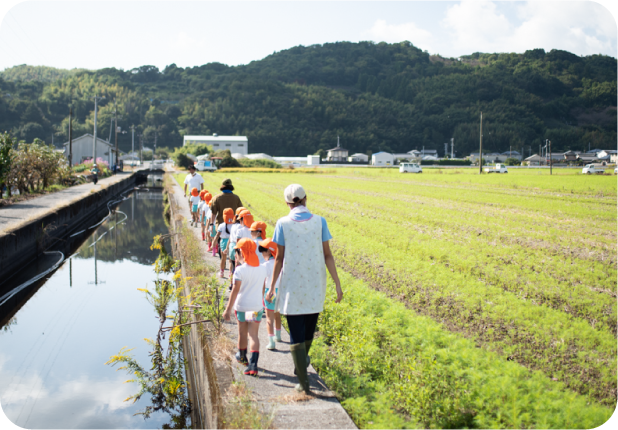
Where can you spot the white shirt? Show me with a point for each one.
(241, 232)
(269, 266)
(233, 231)
(206, 211)
(221, 229)
(195, 200)
(194, 181)
(251, 279)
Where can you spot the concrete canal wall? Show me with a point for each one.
(28, 228)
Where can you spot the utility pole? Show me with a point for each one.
(445, 149)
(452, 144)
(551, 161)
(481, 148)
(116, 133)
(132, 143)
(94, 140)
(155, 146)
(70, 136)
(140, 148)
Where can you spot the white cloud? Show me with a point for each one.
(583, 28)
(393, 33)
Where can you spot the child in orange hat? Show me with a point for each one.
(246, 301)
(223, 233)
(200, 207)
(195, 201)
(258, 232)
(205, 217)
(233, 239)
(268, 249)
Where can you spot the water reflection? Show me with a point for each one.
(52, 372)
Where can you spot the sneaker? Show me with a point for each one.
(241, 358)
(221, 275)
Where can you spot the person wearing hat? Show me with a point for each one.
(95, 172)
(258, 233)
(268, 249)
(227, 199)
(303, 255)
(232, 242)
(193, 180)
(246, 301)
(223, 236)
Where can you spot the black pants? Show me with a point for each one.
(302, 327)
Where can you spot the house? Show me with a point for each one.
(587, 158)
(382, 159)
(535, 160)
(146, 149)
(424, 152)
(570, 156)
(235, 144)
(337, 154)
(82, 148)
(608, 155)
(358, 158)
(313, 160)
(512, 154)
(408, 156)
(489, 157)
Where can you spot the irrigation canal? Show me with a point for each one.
(54, 343)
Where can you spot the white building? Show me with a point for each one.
(313, 160)
(235, 144)
(358, 158)
(382, 159)
(337, 154)
(82, 149)
(408, 156)
(259, 156)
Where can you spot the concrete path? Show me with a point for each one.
(13, 216)
(274, 388)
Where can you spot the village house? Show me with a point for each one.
(82, 149)
(358, 158)
(235, 144)
(337, 154)
(382, 159)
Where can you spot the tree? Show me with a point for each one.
(6, 149)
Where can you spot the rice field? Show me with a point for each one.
(471, 300)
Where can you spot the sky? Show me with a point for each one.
(128, 34)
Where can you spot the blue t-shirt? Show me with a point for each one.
(280, 240)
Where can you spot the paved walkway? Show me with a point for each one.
(274, 388)
(12, 216)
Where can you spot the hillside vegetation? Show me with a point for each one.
(389, 97)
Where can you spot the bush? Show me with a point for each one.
(245, 162)
(512, 162)
(450, 162)
(180, 154)
(229, 161)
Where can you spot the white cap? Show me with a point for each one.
(292, 191)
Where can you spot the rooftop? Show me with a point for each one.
(217, 138)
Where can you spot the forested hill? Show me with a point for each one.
(389, 97)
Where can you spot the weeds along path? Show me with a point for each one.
(446, 254)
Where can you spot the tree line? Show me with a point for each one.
(376, 97)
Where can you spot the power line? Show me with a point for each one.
(28, 37)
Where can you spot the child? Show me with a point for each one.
(195, 201)
(224, 234)
(212, 227)
(258, 232)
(232, 242)
(247, 304)
(205, 216)
(199, 211)
(268, 249)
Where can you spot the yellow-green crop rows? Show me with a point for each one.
(471, 300)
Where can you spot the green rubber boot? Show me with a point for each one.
(299, 355)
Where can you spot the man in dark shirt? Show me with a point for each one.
(227, 199)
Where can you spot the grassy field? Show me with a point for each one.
(471, 300)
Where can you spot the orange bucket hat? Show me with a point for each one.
(270, 245)
(194, 191)
(247, 247)
(228, 216)
(248, 219)
(261, 227)
(207, 197)
(202, 194)
(238, 211)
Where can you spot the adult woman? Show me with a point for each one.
(303, 251)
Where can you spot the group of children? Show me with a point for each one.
(243, 241)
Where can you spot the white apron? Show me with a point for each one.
(303, 276)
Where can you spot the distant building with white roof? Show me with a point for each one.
(235, 144)
(382, 159)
